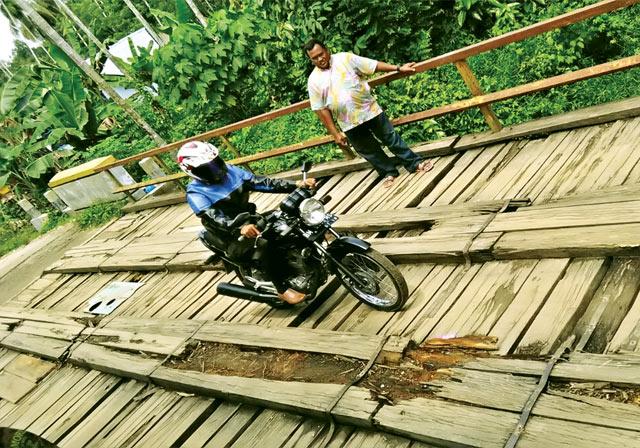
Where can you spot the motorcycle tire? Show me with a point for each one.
(387, 294)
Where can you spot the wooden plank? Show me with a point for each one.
(617, 369)
(589, 410)
(564, 306)
(212, 425)
(29, 367)
(98, 418)
(552, 433)
(176, 423)
(356, 407)
(306, 434)
(66, 412)
(270, 428)
(609, 306)
(136, 419)
(87, 257)
(627, 338)
(474, 86)
(231, 429)
(444, 299)
(527, 302)
(480, 163)
(578, 216)
(49, 330)
(541, 187)
(510, 393)
(597, 241)
(134, 341)
(360, 346)
(447, 424)
(47, 348)
(415, 216)
(610, 195)
(14, 387)
(602, 113)
(110, 361)
(52, 389)
(485, 299)
(304, 398)
(593, 157)
(531, 158)
(365, 439)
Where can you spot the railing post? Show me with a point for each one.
(234, 151)
(474, 86)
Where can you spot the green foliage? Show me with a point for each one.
(12, 239)
(99, 214)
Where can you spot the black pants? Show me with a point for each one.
(367, 138)
(263, 255)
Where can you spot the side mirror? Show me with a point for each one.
(306, 166)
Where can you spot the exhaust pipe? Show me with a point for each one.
(242, 292)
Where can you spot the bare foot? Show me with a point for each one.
(424, 166)
(388, 181)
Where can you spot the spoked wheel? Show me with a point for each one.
(374, 280)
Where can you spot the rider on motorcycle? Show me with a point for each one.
(218, 193)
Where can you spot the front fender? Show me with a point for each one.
(345, 244)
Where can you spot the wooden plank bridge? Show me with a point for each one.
(520, 244)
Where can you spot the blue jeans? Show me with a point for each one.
(366, 139)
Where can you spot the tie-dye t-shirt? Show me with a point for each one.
(341, 89)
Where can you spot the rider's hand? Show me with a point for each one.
(309, 183)
(249, 231)
(341, 140)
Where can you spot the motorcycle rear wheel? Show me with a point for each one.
(378, 282)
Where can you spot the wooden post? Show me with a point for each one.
(474, 86)
(235, 151)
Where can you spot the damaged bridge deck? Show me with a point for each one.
(527, 241)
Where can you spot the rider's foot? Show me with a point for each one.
(291, 296)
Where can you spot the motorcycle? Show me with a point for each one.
(302, 230)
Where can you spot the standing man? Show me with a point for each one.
(337, 89)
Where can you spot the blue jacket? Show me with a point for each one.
(218, 204)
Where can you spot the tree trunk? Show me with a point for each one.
(117, 61)
(90, 72)
(196, 11)
(147, 26)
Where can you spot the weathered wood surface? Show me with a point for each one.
(111, 361)
(418, 216)
(447, 424)
(14, 387)
(305, 398)
(583, 117)
(354, 345)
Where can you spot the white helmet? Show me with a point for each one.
(202, 161)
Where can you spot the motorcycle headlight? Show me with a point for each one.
(312, 211)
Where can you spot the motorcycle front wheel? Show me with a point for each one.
(373, 280)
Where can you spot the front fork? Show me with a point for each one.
(342, 245)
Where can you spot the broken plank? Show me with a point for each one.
(110, 361)
(565, 217)
(412, 217)
(597, 241)
(47, 348)
(360, 346)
